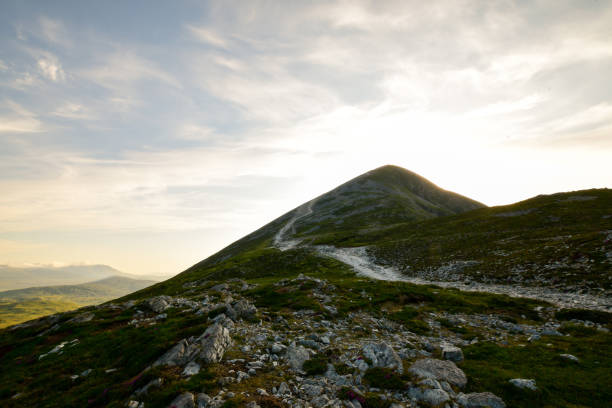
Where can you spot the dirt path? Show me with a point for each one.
(281, 240)
(364, 265)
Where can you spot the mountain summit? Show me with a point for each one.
(383, 196)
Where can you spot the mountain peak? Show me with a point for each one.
(383, 196)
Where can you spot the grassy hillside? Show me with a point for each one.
(18, 311)
(20, 305)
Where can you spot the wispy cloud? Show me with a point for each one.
(220, 116)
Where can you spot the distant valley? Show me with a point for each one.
(87, 285)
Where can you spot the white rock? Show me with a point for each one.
(215, 340)
(570, 357)
(192, 368)
(524, 383)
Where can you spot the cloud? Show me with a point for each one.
(14, 118)
(123, 67)
(71, 110)
(207, 36)
(51, 69)
(53, 31)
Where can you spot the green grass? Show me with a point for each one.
(18, 311)
(561, 383)
(316, 365)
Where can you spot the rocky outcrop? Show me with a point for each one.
(213, 343)
(179, 355)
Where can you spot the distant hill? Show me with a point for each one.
(23, 304)
(12, 277)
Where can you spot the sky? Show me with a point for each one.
(147, 135)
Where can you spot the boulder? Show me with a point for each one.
(180, 354)
(383, 355)
(480, 400)
(296, 356)
(185, 400)
(524, 383)
(214, 342)
(244, 309)
(452, 353)
(439, 370)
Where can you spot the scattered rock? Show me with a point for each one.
(159, 303)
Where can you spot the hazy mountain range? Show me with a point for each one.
(16, 277)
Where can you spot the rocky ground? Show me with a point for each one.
(299, 359)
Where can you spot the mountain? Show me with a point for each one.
(352, 299)
(20, 305)
(379, 198)
(14, 277)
